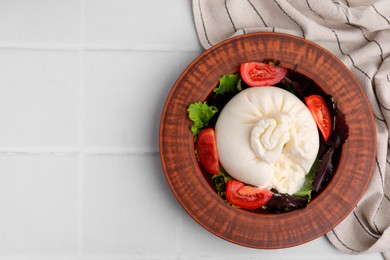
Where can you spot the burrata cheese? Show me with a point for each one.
(267, 137)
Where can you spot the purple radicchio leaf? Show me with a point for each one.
(324, 171)
(284, 202)
(340, 131)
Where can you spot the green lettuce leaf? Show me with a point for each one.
(200, 113)
(307, 187)
(228, 83)
(220, 184)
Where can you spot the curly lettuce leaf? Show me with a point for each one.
(220, 182)
(228, 83)
(220, 185)
(200, 114)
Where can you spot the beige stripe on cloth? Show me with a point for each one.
(356, 31)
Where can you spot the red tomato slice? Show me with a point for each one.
(245, 196)
(257, 74)
(321, 114)
(207, 150)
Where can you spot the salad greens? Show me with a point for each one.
(324, 171)
(321, 171)
(220, 184)
(228, 83)
(200, 113)
(280, 203)
(307, 188)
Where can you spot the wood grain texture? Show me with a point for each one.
(257, 230)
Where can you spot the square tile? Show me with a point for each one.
(197, 241)
(184, 58)
(129, 209)
(39, 98)
(124, 96)
(136, 24)
(38, 198)
(188, 38)
(40, 22)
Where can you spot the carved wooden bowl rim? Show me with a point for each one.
(267, 231)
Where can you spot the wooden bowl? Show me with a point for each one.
(268, 231)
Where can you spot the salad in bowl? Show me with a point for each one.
(267, 140)
(268, 136)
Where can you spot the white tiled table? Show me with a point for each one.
(82, 87)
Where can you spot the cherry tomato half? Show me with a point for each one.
(245, 196)
(257, 74)
(321, 114)
(207, 150)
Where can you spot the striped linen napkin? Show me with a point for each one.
(358, 33)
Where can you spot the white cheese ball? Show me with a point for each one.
(267, 137)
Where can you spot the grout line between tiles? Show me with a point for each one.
(75, 151)
(94, 47)
(81, 122)
(121, 152)
(80, 206)
(87, 258)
